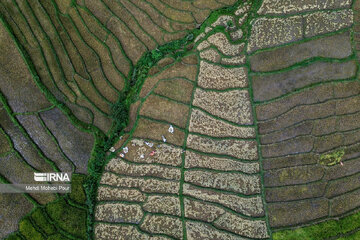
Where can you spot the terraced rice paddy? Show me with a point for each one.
(216, 119)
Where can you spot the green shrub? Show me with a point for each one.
(230, 23)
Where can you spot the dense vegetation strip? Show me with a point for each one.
(120, 110)
(331, 229)
(40, 223)
(62, 219)
(120, 116)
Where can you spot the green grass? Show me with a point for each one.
(70, 219)
(332, 158)
(57, 219)
(14, 236)
(354, 236)
(57, 237)
(77, 191)
(61, 209)
(28, 230)
(322, 231)
(120, 117)
(40, 220)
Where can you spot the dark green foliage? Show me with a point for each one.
(58, 216)
(28, 230)
(119, 110)
(350, 223)
(120, 115)
(77, 191)
(354, 236)
(14, 236)
(90, 189)
(156, 54)
(40, 220)
(57, 237)
(324, 230)
(72, 219)
(68, 218)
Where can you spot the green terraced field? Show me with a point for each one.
(196, 119)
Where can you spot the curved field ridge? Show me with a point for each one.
(306, 89)
(59, 110)
(189, 168)
(82, 57)
(301, 81)
(190, 122)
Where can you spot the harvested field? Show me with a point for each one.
(204, 119)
